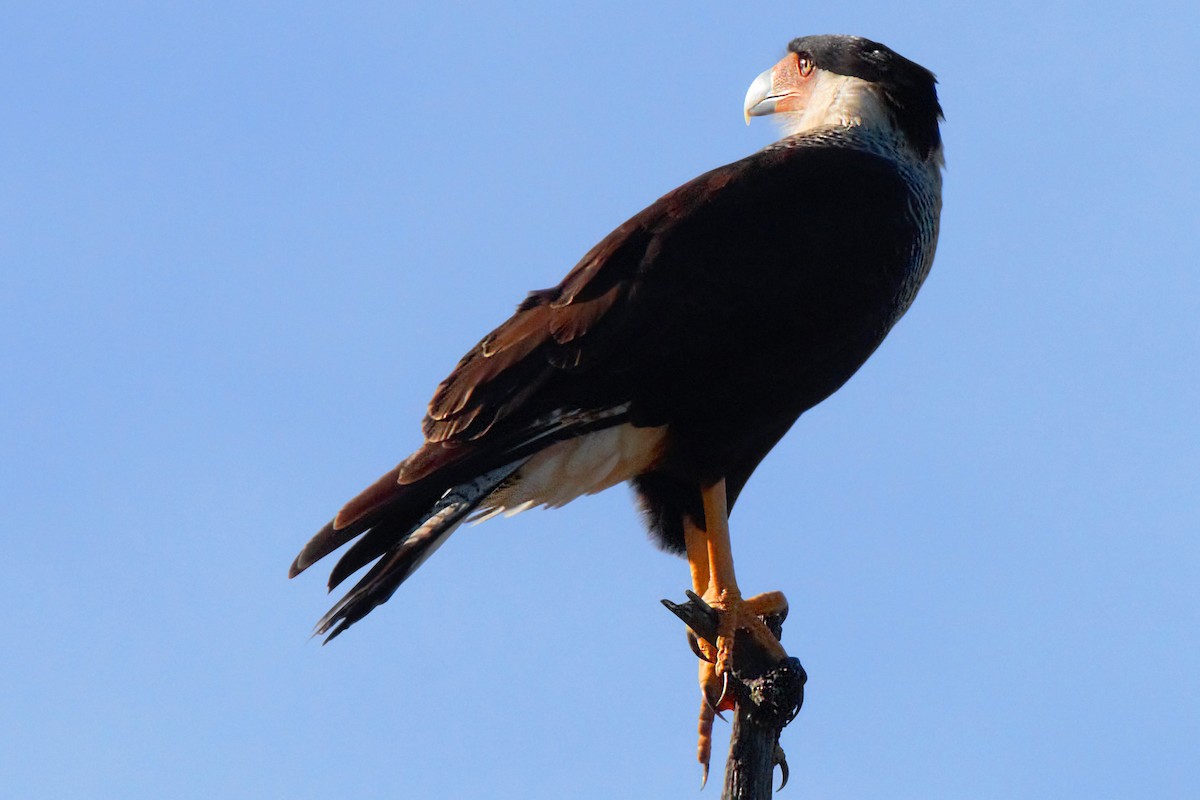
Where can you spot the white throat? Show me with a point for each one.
(839, 101)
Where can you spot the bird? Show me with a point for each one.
(684, 345)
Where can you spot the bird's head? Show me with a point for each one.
(848, 81)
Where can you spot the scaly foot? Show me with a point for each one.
(734, 614)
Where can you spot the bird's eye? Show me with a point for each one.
(806, 66)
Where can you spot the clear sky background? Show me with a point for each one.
(242, 242)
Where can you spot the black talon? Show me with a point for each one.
(780, 759)
(713, 708)
(694, 643)
(724, 693)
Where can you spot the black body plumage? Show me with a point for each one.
(717, 315)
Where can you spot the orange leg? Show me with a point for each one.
(710, 557)
(697, 553)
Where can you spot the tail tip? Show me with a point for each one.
(297, 567)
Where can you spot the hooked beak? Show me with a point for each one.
(781, 88)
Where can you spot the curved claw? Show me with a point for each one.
(694, 643)
(724, 693)
(780, 759)
(704, 778)
(715, 708)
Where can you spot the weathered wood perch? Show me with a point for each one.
(768, 695)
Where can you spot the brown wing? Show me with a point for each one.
(569, 327)
(528, 382)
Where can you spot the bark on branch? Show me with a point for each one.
(768, 696)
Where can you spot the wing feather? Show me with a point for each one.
(565, 328)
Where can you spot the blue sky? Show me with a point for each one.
(242, 243)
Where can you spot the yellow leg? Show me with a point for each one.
(697, 555)
(698, 561)
(720, 550)
(710, 558)
(722, 592)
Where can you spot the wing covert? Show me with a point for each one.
(568, 327)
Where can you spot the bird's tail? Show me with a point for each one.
(406, 515)
(401, 525)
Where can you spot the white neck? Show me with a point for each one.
(839, 101)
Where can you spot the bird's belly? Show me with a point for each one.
(574, 467)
